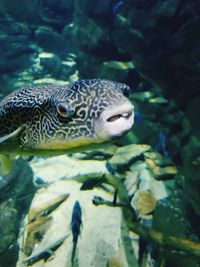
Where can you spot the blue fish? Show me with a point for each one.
(110, 168)
(139, 118)
(91, 183)
(39, 181)
(116, 7)
(162, 143)
(76, 223)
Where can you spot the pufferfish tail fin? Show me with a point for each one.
(5, 159)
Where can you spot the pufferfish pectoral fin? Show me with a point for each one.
(10, 136)
(5, 164)
(5, 159)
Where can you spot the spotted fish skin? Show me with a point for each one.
(34, 108)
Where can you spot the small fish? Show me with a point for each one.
(76, 223)
(116, 7)
(45, 252)
(110, 168)
(91, 183)
(162, 143)
(143, 250)
(139, 118)
(46, 208)
(39, 182)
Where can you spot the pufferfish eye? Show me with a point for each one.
(64, 110)
(126, 90)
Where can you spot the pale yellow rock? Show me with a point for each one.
(158, 100)
(35, 232)
(125, 154)
(167, 172)
(49, 81)
(146, 203)
(46, 206)
(119, 65)
(118, 259)
(146, 182)
(65, 167)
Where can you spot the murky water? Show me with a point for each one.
(134, 201)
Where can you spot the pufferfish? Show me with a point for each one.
(55, 119)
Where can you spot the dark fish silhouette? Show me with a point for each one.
(91, 183)
(76, 223)
(139, 118)
(162, 144)
(117, 7)
(110, 168)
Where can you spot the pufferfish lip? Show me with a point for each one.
(124, 111)
(116, 120)
(125, 115)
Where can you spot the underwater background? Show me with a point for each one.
(154, 47)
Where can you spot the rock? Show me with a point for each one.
(131, 182)
(191, 113)
(158, 100)
(115, 69)
(127, 154)
(142, 180)
(158, 158)
(15, 200)
(12, 27)
(51, 63)
(35, 231)
(20, 178)
(69, 69)
(6, 180)
(170, 219)
(191, 168)
(8, 220)
(20, 62)
(143, 96)
(25, 12)
(46, 207)
(145, 203)
(118, 65)
(105, 236)
(51, 41)
(157, 39)
(162, 173)
(90, 36)
(17, 52)
(56, 12)
(68, 167)
(99, 154)
(49, 81)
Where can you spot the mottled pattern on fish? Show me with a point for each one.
(35, 108)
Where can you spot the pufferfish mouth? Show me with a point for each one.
(124, 115)
(117, 120)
